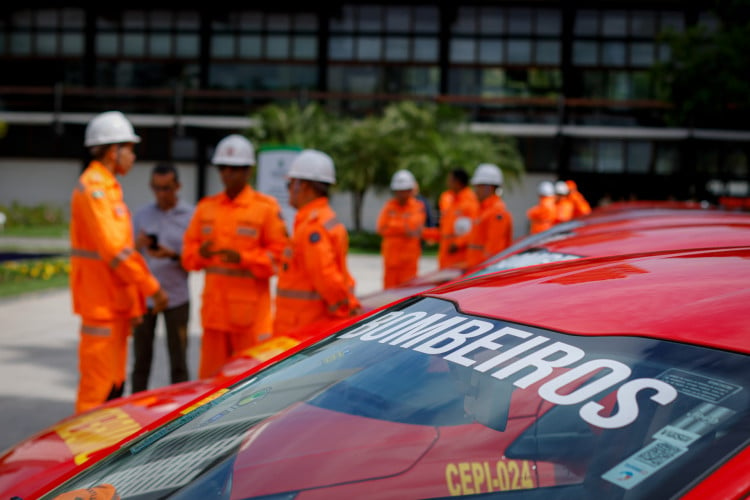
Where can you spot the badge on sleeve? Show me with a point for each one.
(314, 237)
(97, 194)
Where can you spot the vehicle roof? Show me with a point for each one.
(625, 241)
(694, 296)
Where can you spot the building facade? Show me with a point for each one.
(572, 81)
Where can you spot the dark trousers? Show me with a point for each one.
(176, 321)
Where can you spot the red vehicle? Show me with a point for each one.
(622, 229)
(615, 377)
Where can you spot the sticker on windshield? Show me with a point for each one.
(642, 464)
(706, 389)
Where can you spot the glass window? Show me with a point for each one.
(187, 20)
(341, 48)
(667, 156)
(305, 22)
(134, 19)
(425, 49)
(397, 19)
(20, 43)
(304, 47)
(72, 18)
(639, 157)
(462, 51)
(493, 82)
(250, 20)
(370, 18)
(222, 46)
(134, 45)
(519, 21)
(614, 23)
(585, 53)
(466, 21)
(583, 156)
(491, 51)
(673, 20)
(426, 20)
(278, 22)
(665, 52)
(46, 44)
(519, 51)
(547, 52)
(277, 47)
(251, 46)
(397, 49)
(160, 45)
(548, 22)
(72, 44)
(587, 22)
(161, 19)
(642, 53)
(21, 19)
(610, 157)
(106, 44)
(46, 18)
(491, 21)
(643, 23)
(345, 22)
(187, 46)
(642, 84)
(620, 85)
(369, 48)
(613, 54)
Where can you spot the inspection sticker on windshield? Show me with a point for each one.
(639, 466)
(707, 389)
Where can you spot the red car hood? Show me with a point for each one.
(72, 443)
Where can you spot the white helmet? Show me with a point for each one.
(403, 180)
(546, 188)
(313, 165)
(487, 173)
(110, 127)
(234, 150)
(562, 188)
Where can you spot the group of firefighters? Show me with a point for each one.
(558, 202)
(239, 239)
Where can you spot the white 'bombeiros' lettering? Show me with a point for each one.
(627, 403)
(402, 321)
(456, 337)
(618, 373)
(486, 342)
(543, 366)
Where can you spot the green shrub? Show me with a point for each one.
(43, 214)
(364, 241)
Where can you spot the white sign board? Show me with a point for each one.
(273, 165)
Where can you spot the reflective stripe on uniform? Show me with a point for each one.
(298, 294)
(120, 257)
(103, 331)
(331, 223)
(476, 247)
(84, 254)
(237, 273)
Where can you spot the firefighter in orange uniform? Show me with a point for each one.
(400, 223)
(564, 205)
(458, 208)
(236, 237)
(580, 205)
(543, 215)
(493, 229)
(109, 279)
(314, 281)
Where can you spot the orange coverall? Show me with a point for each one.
(453, 246)
(236, 299)
(565, 209)
(492, 231)
(401, 227)
(543, 215)
(109, 283)
(314, 280)
(580, 205)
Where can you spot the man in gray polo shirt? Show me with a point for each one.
(159, 228)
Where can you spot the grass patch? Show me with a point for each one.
(47, 231)
(15, 289)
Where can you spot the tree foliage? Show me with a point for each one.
(706, 78)
(427, 139)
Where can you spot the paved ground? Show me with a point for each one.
(38, 348)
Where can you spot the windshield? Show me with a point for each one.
(530, 257)
(421, 400)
